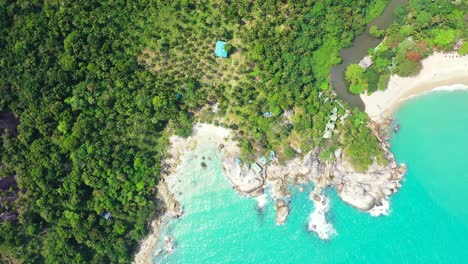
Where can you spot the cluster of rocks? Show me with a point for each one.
(168, 199)
(363, 190)
(243, 178)
(370, 189)
(298, 171)
(9, 192)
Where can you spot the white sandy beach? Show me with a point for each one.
(440, 69)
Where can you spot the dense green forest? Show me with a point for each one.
(420, 28)
(99, 86)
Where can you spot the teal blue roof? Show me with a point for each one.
(272, 154)
(219, 49)
(263, 160)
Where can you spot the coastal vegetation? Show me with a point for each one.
(420, 28)
(463, 49)
(99, 86)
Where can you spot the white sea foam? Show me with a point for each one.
(383, 209)
(454, 87)
(447, 88)
(262, 201)
(318, 219)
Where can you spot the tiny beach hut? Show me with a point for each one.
(220, 51)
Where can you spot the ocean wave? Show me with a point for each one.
(262, 201)
(318, 219)
(383, 209)
(446, 88)
(454, 87)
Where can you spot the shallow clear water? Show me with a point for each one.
(428, 222)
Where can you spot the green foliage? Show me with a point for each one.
(355, 76)
(463, 49)
(376, 32)
(444, 38)
(91, 135)
(420, 26)
(372, 77)
(326, 155)
(228, 47)
(408, 68)
(400, 13)
(289, 153)
(100, 85)
(375, 9)
(363, 147)
(383, 81)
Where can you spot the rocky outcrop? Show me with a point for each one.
(9, 192)
(318, 222)
(167, 197)
(370, 189)
(243, 178)
(282, 211)
(8, 123)
(363, 190)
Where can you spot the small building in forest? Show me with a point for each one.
(263, 160)
(331, 124)
(366, 62)
(272, 155)
(106, 215)
(220, 51)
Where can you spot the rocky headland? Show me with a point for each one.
(367, 191)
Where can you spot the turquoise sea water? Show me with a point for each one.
(428, 221)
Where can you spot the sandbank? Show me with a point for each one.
(439, 69)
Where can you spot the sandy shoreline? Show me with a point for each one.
(439, 69)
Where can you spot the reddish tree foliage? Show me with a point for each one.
(413, 56)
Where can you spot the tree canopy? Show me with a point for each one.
(99, 86)
(419, 28)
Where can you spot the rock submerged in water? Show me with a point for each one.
(282, 212)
